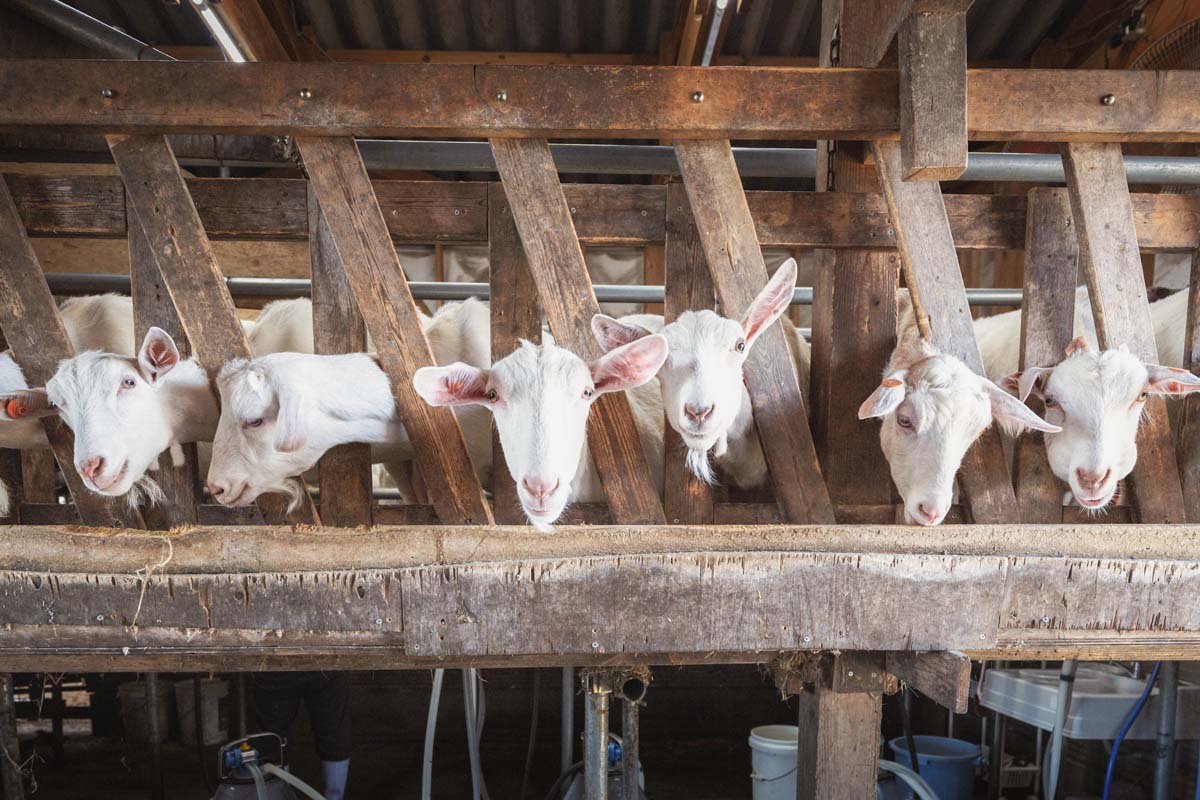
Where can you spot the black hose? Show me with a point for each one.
(533, 726)
(198, 718)
(557, 789)
(908, 734)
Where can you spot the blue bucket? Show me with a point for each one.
(947, 764)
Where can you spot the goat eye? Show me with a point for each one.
(740, 346)
(129, 383)
(491, 395)
(1049, 402)
(253, 423)
(903, 421)
(1143, 397)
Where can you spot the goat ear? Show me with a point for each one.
(630, 365)
(26, 404)
(886, 398)
(453, 385)
(1023, 383)
(1012, 414)
(291, 425)
(1170, 380)
(611, 333)
(158, 354)
(1078, 345)
(771, 302)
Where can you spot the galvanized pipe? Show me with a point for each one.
(630, 744)
(595, 743)
(66, 283)
(567, 729)
(87, 30)
(1168, 698)
(156, 735)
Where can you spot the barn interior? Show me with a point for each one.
(812, 584)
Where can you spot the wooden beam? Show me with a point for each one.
(34, 332)
(1188, 447)
(933, 94)
(936, 285)
(555, 258)
(516, 315)
(250, 28)
(839, 744)
(359, 235)
(1047, 327)
(869, 26)
(944, 677)
(738, 273)
(1103, 215)
(688, 286)
(568, 101)
(345, 470)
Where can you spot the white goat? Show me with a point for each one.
(281, 412)
(540, 396)
(704, 395)
(933, 408)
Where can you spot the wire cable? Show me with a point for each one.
(1125, 726)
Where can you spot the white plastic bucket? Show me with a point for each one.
(134, 716)
(213, 692)
(773, 761)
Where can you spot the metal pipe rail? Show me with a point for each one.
(64, 283)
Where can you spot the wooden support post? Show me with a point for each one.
(38, 475)
(735, 261)
(933, 91)
(345, 471)
(360, 236)
(555, 258)
(654, 273)
(1047, 327)
(10, 474)
(839, 735)
(944, 677)
(516, 315)
(34, 330)
(152, 306)
(11, 779)
(936, 285)
(161, 205)
(1108, 249)
(688, 286)
(1188, 449)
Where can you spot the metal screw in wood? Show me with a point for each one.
(1108, 100)
(697, 97)
(502, 96)
(306, 94)
(107, 93)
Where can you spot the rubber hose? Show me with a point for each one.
(435, 697)
(288, 777)
(1125, 726)
(915, 781)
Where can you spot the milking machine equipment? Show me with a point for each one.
(252, 768)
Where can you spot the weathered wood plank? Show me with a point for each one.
(932, 274)
(344, 471)
(1188, 446)
(736, 264)
(340, 184)
(944, 677)
(555, 258)
(516, 315)
(567, 101)
(1047, 327)
(933, 95)
(152, 306)
(1108, 251)
(688, 286)
(839, 744)
(35, 334)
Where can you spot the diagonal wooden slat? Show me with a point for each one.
(1108, 251)
(359, 234)
(688, 286)
(932, 45)
(543, 218)
(736, 264)
(160, 203)
(932, 273)
(35, 333)
(1188, 448)
(1047, 327)
(345, 471)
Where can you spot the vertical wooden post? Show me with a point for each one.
(345, 471)
(152, 306)
(654, 273)
(516, 315)
(839, 723)
(932, 46)
(1108, 249)
(34, 330)
(10, 746)
(555, 258)
(1047, 327)
(688, 286)
(735, 260)
(1188, 451)
(10, 474)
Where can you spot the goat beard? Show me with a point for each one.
(699, 463)
(144, 492)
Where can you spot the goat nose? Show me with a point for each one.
(928, 511)
(1092, 480)
(216, 489)
(540, 487)
(698, 413)
(91, 466)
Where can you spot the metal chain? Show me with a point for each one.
(835, 57)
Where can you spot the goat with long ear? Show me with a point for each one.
(1097, 398)
(933, 409)
(540, 396)
(704, 394)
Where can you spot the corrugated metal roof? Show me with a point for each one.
(1006, 30)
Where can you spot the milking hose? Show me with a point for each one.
(1125, 726)
(435, 696)
(916, 782)
(288, 777)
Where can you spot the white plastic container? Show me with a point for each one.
(215, 720)
(132, 698)
(773, 761)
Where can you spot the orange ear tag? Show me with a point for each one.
(891, 383)
(16, 409)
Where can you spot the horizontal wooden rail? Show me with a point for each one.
(444, 211)
(579, 101)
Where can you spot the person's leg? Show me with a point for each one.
(327, 697)
(276, 700)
